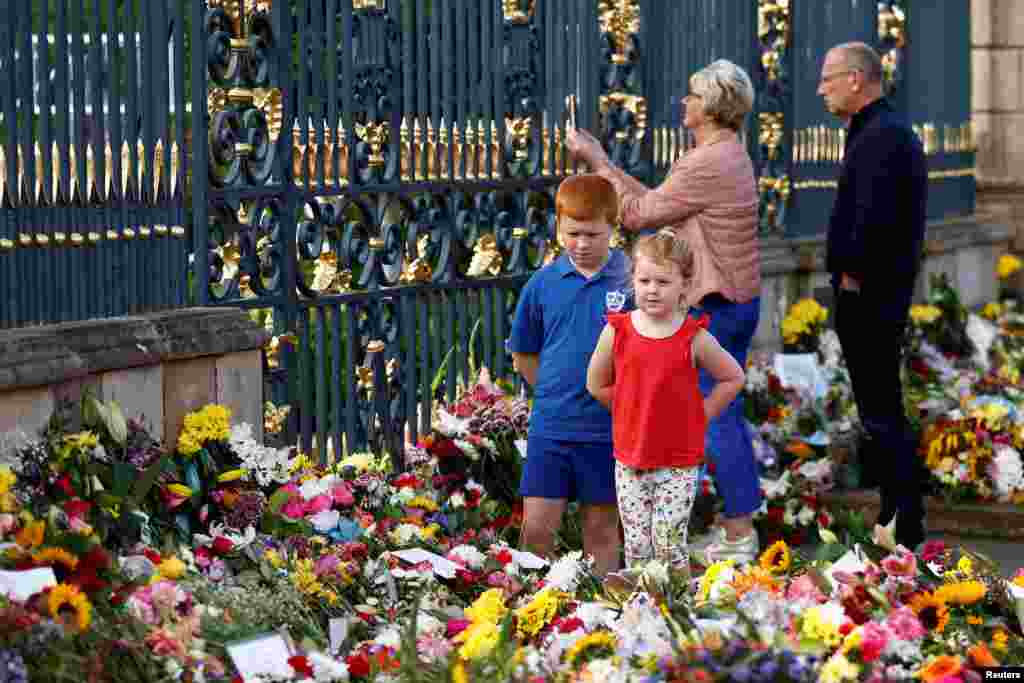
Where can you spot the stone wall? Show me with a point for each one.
(997, 64)
(158, 367)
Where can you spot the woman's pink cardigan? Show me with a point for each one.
(710, 194)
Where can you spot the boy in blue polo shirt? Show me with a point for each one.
(559, 318)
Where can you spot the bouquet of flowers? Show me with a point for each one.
(942, 321)
(1007, 268)
(977, 456)
(481, 436)
(803, 325)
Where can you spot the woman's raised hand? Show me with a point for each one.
(585, 147)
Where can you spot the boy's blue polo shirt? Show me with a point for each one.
(560, 316)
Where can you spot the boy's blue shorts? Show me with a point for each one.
(574, 470)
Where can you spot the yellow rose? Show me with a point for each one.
(1007, 265)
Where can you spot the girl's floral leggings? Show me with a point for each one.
(655, 506)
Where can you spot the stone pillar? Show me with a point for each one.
(997, 63)
(158, 367)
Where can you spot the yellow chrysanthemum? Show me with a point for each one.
(51, 556)
(590, 643)
(423, 503)
(478, 639)
(490, 606)
(538, 613)
(1007, 265)
(777, 558)
(961, 592)
(710, 577)
(924, 314)
(837, 669)
(211, 423)
(274, 558)
(171, 568)
(992, 310)
(7, 479)
(64, 596)
(965, 566)
(817, 625)
(999, 640)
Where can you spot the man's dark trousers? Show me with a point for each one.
(871, 334)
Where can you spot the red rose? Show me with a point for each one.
(153, 556)
(222, 546)
(358, 664)
(77, 508)
(569, 625)
(505, 556)
(301, 665)
(64, 484)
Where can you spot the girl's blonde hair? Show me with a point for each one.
(664, 247)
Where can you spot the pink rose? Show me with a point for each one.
(904, 624)
(933, 551)
(874, 638)
(6, 522)
(318, 504)
(295, 508)
(343, 495)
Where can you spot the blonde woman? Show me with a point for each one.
(710, 197)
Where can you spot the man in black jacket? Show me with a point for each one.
(875, 236)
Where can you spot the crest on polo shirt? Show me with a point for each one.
(615, 300)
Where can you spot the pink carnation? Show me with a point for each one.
(900, 563)
(874, 638)
(804, 588)
(904, 624)
(933, 551)
(456, 626)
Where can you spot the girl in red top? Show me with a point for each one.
(644, 370)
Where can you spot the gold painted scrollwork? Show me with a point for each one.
(517, 132)
(771, 132)
(518, 11)
(620, 19)
(773, 19)
(635, 104)
(270, 102)
(376, 136)
(487, 260)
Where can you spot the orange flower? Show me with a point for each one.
(941, 667)
(980, 655)
(31, 535)
(799, 449)
(931, 610)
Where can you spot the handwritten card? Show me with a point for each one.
(337, 629)
(443, 567)
(527, 560)
(266, 655)
(22, 585)
(801, 371)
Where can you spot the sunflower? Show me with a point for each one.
(961, 592)
(65, 596)
(51, 556)
(941, 667)
(931, 610)
(777, 558)
(592, 643)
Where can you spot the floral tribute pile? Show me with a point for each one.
(964, 393)
(128, 560)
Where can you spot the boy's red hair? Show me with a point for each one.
(586, 198)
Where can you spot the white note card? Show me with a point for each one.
(267, 654)
(22, 585)
(442, 565)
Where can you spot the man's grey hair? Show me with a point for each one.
(726, 91)
(862, 57)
